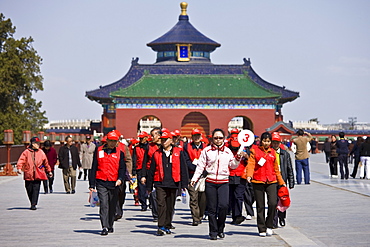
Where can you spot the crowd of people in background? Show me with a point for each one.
(219, 175)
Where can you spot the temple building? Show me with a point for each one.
(183, 89)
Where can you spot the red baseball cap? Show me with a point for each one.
(113, 136)
(117, 132)
(196, 132)
(177, 132)
(165, 130)
(276, 137)
(143, 134)
(166, 135)
(234, 131)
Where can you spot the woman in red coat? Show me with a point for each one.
(33, 163)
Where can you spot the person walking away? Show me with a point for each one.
(197, 202)
(69, 160)
(333, 164)
(365, 159)
(86, 155)
(167, 173)
(342, 150)
(356, 153)
(139, 157)
(286, 170)
(51, 155)
(106, 175)
(263, 172)
(216, 159)
(301, 156)
(326, 149)
(313, 144)
(33, 162)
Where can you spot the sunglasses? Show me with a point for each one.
(218, 138)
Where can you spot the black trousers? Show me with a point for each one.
(48, 184)
(142, 193)
(121, 198)
(236, 199)
(343, 164)
(249, 199)
(333, 165)
(217, 206)
(270, 190)
(153, 204)
(108, 201)
(33, 190)
(166, 198)
(355, 166)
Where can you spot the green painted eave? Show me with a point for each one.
(194, 86)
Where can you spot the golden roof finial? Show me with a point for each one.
(183, 6)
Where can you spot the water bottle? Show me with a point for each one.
(183, 196)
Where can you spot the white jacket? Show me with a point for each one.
(216, 161)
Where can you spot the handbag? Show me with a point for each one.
(200, 185)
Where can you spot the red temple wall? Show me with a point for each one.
(127, 119)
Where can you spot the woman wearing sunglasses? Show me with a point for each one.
(215, 160)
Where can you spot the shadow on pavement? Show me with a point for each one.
(19, 208)
(96, 232)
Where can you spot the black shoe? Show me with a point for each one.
(221, 235)
(213, 237)
(104, 232)
(144, 209)
(73, 191)
(161, 231)
(282, 222)
(117, 217)
(275, 226)
(33, 207)
(239, 220)
(51, 191)
(68, 192)
(110, 230)
(172, 227)
(195, 223)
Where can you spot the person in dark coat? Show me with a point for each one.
(342, 150)
(356, 153)
(333, 164)
(52, 157)
(326, 149)
(286, 169)
(69, 160)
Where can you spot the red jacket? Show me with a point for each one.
(31, 160)
(176, 170)
(269, 172)
(108, 165)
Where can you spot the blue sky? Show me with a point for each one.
(320, 48)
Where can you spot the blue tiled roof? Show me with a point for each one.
(184, 33)
(136, 71)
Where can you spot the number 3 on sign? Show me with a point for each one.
(245, 138)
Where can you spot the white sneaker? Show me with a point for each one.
(262, 234)
(248, 217)
(269, 232)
